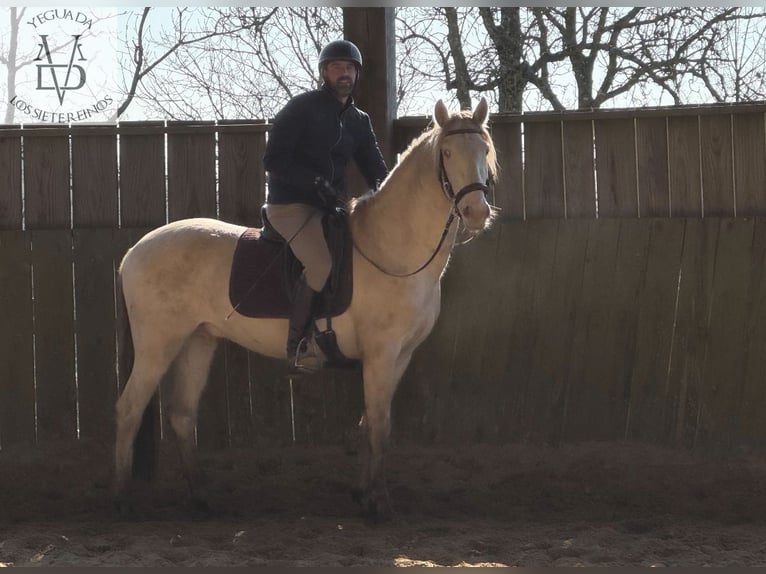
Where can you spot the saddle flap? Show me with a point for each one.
(264, 272)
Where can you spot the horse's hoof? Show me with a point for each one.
(122, 505)
(203, 506)
(375, 508)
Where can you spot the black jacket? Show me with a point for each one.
(314, 135)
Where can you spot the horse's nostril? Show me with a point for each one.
(467, 211)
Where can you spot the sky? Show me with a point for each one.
(73, 76)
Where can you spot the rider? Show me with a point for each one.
(310, 143)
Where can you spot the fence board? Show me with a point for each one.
(646, 410)
(191, 175)
(750, 163)
(213, 414)
(543, 170)
(616, 168)
(54, 335)
(589, 412)
(95, 320)
(521, 303)
(557, 318)
(473, 265)
(752, 429)
(717, 165)
(621, 346)
(534, 399)
(722, 384)
(242, 178)
(406, 133)
(500, 413)
(578, 170)
(17, 385)
(327, 406)
(514, 358)
(46, 181)
(509, 191)
(94, 180)
(241, 431)
(142, 177)
(684, 161)
(270, 391)
(653, 176)
(612, 287)
(692, 329)
(310, 407)
(10, 182)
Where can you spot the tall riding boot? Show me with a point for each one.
(299, 357)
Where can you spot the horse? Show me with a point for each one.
(174, 288)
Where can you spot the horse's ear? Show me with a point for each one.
(441, 115)
(480, 114)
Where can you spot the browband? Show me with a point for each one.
(464, 131)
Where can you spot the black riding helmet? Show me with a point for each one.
(340, 50)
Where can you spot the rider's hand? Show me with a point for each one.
(326, 191)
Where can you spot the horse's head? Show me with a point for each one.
(467, 162)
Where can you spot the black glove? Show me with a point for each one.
(327, 193)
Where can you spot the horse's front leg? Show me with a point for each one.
(381, 377)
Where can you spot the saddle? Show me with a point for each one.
(264, 271)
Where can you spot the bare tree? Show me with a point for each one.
(604, 53)
(10, 58)
(736, 72)
(250, 71)
(191, 28)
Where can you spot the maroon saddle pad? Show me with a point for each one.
(264, 272)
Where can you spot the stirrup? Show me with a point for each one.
(308, 359)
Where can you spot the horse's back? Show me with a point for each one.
(181, 238)
(186, 261)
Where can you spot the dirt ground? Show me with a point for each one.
(610, 504)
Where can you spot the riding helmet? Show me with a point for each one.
(340, 50)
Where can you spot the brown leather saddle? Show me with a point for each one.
(264, 271)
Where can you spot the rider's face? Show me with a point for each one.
(340, 75)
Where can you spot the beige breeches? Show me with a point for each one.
(301, 225)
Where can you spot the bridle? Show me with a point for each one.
(465, 190)
(455, 198)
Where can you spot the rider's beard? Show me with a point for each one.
(342, 87)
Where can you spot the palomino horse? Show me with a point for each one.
(175, 285)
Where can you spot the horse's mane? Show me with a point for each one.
(431, 139)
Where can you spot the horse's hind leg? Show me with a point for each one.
(153, 356)
(189, 378)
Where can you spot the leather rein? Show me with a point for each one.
(454, 197)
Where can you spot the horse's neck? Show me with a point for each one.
(401, 226)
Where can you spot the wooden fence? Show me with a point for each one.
(619, 295)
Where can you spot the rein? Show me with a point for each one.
(454, 197)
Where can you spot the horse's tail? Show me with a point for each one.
(145, 444)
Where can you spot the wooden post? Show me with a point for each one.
(372, 30)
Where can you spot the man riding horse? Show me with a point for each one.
(310, 143)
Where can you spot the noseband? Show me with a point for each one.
(465, 190)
